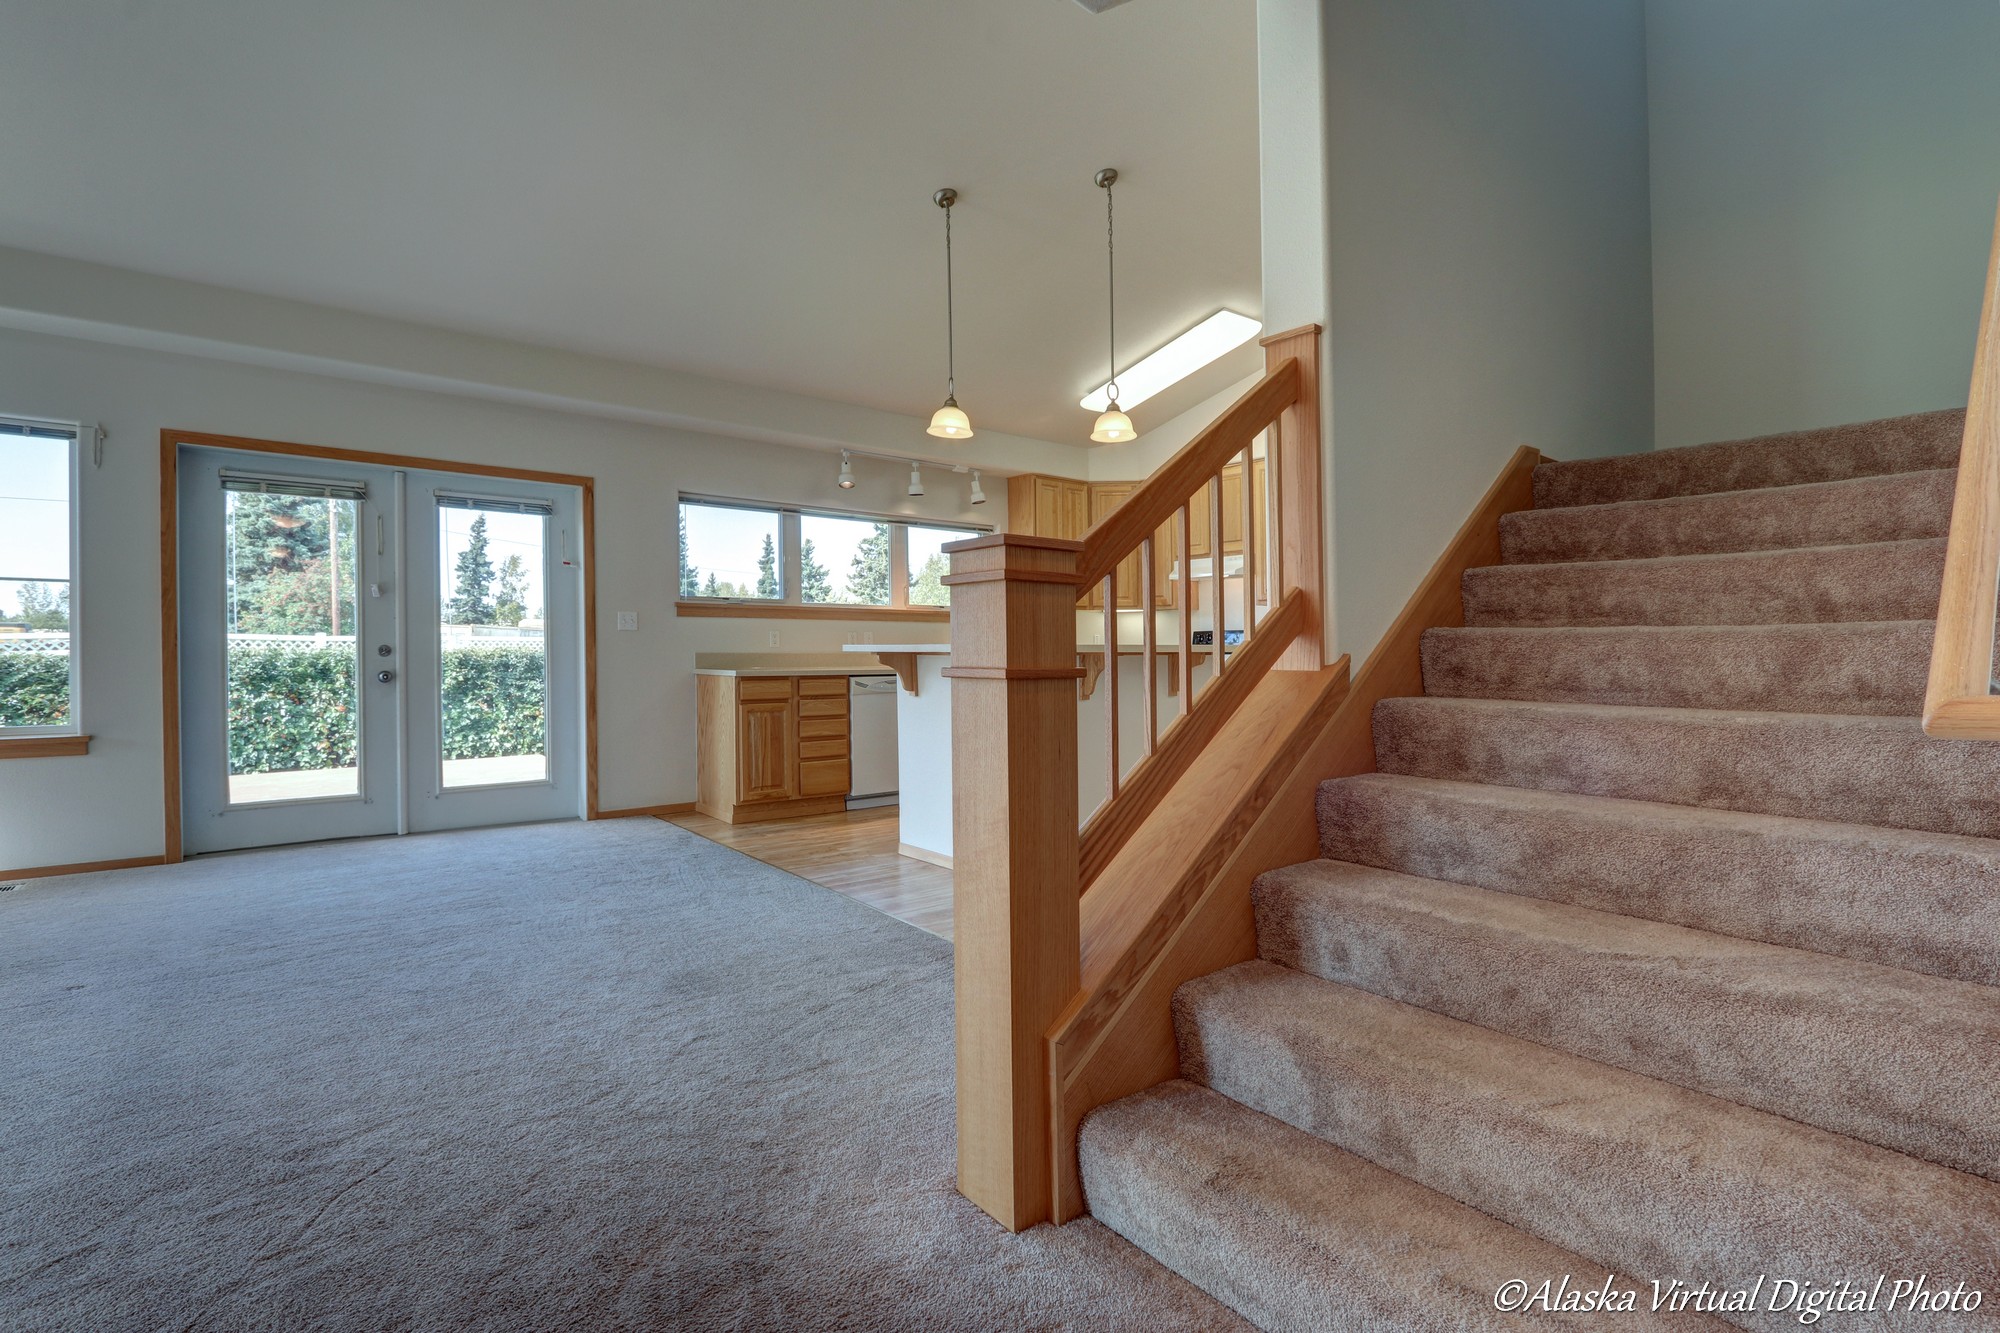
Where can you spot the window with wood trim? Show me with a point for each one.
(39, 610)
(740, 551)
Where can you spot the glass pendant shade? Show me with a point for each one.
(950, 422)
(1112, 427)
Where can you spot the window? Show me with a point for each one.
(929, 564)
(844, 560)
(38, 605)
(731, 551)
(738, 550)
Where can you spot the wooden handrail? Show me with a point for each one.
(1959, 701)
(1119, 532)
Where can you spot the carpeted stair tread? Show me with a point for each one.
(1876, 668)
(1891, 1057)
(1862, 770)
(1928, 902)
(1294, 1233)
(1833, 453)
(1809, 585)
(1637, 1174)
(1902, 507)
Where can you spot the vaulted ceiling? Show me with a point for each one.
(738, 188)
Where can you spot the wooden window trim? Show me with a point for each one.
(809, 611)
(43, 747)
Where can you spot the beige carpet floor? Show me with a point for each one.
(605, 1076)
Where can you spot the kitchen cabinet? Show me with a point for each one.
(771, 747)
(1041, 506)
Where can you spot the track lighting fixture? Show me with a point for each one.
(916, 480)
(949, 421)
(846, 472)
(978, 495)
(1112, 425)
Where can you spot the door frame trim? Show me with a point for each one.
(170, 646)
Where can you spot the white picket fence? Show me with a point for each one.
(36, 641)
(453, 636)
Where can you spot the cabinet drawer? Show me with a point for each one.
(822, 728)
(823, 777)
(816, 686)
(823, 707)
(773, 688)
(833, 749)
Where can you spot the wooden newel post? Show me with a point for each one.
(1014, 855)
(1302, 524)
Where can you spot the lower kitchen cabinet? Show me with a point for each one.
(771, 747)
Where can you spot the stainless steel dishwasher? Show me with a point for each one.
(871, 741)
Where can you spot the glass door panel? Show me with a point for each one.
(293, 654)
(493, 679)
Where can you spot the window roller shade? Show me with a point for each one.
(311, 487)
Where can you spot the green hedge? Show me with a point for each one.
(34, 689)
(292, 708)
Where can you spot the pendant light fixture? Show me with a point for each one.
(1112, 425)
(949, 421)
(846, 472)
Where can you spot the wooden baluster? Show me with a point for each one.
(1274, 510)
(1149, 701)
(1015, 893)
(1111, 671)
(1250, 541)
(1217, 585)
(1187, 608)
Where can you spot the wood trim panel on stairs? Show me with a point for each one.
(1959, 701)
(1113, 1044)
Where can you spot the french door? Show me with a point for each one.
(370, 650)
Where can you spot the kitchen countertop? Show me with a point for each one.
(789, 664)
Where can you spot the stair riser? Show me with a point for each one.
(1293, 1233)
(1819, 585)
(1883, 509)
(1866, 449)
(1860, 770)
(1885, 896)
(1638, 1175)
(1888, 1057)
(1874, 669)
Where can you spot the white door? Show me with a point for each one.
(370, 650)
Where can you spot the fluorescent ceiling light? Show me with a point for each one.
(1222, 332)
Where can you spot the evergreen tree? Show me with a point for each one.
(690, 576)
(928, 587)
(510, 606)
(472, 595)
(713, 589)
(868, 576)
(815, 583)
(43, 607)
(767, 570)
(280, 571)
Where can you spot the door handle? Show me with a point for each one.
(385, 676)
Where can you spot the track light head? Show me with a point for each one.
(916, 480)
(846, 472)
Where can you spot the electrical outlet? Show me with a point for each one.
(628, 620)
(868, 637)
(851, 638)
(774, 638)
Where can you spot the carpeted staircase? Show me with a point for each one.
(1663, 943)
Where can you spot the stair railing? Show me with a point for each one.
(1021, 861)
(1960, 701)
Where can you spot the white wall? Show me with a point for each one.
(108, 804)
(1824, 179)
(1488, 268)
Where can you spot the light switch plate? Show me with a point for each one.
(628, 620)
(774, 638)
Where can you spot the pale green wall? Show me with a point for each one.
(1824, 175)
(1488, 275)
